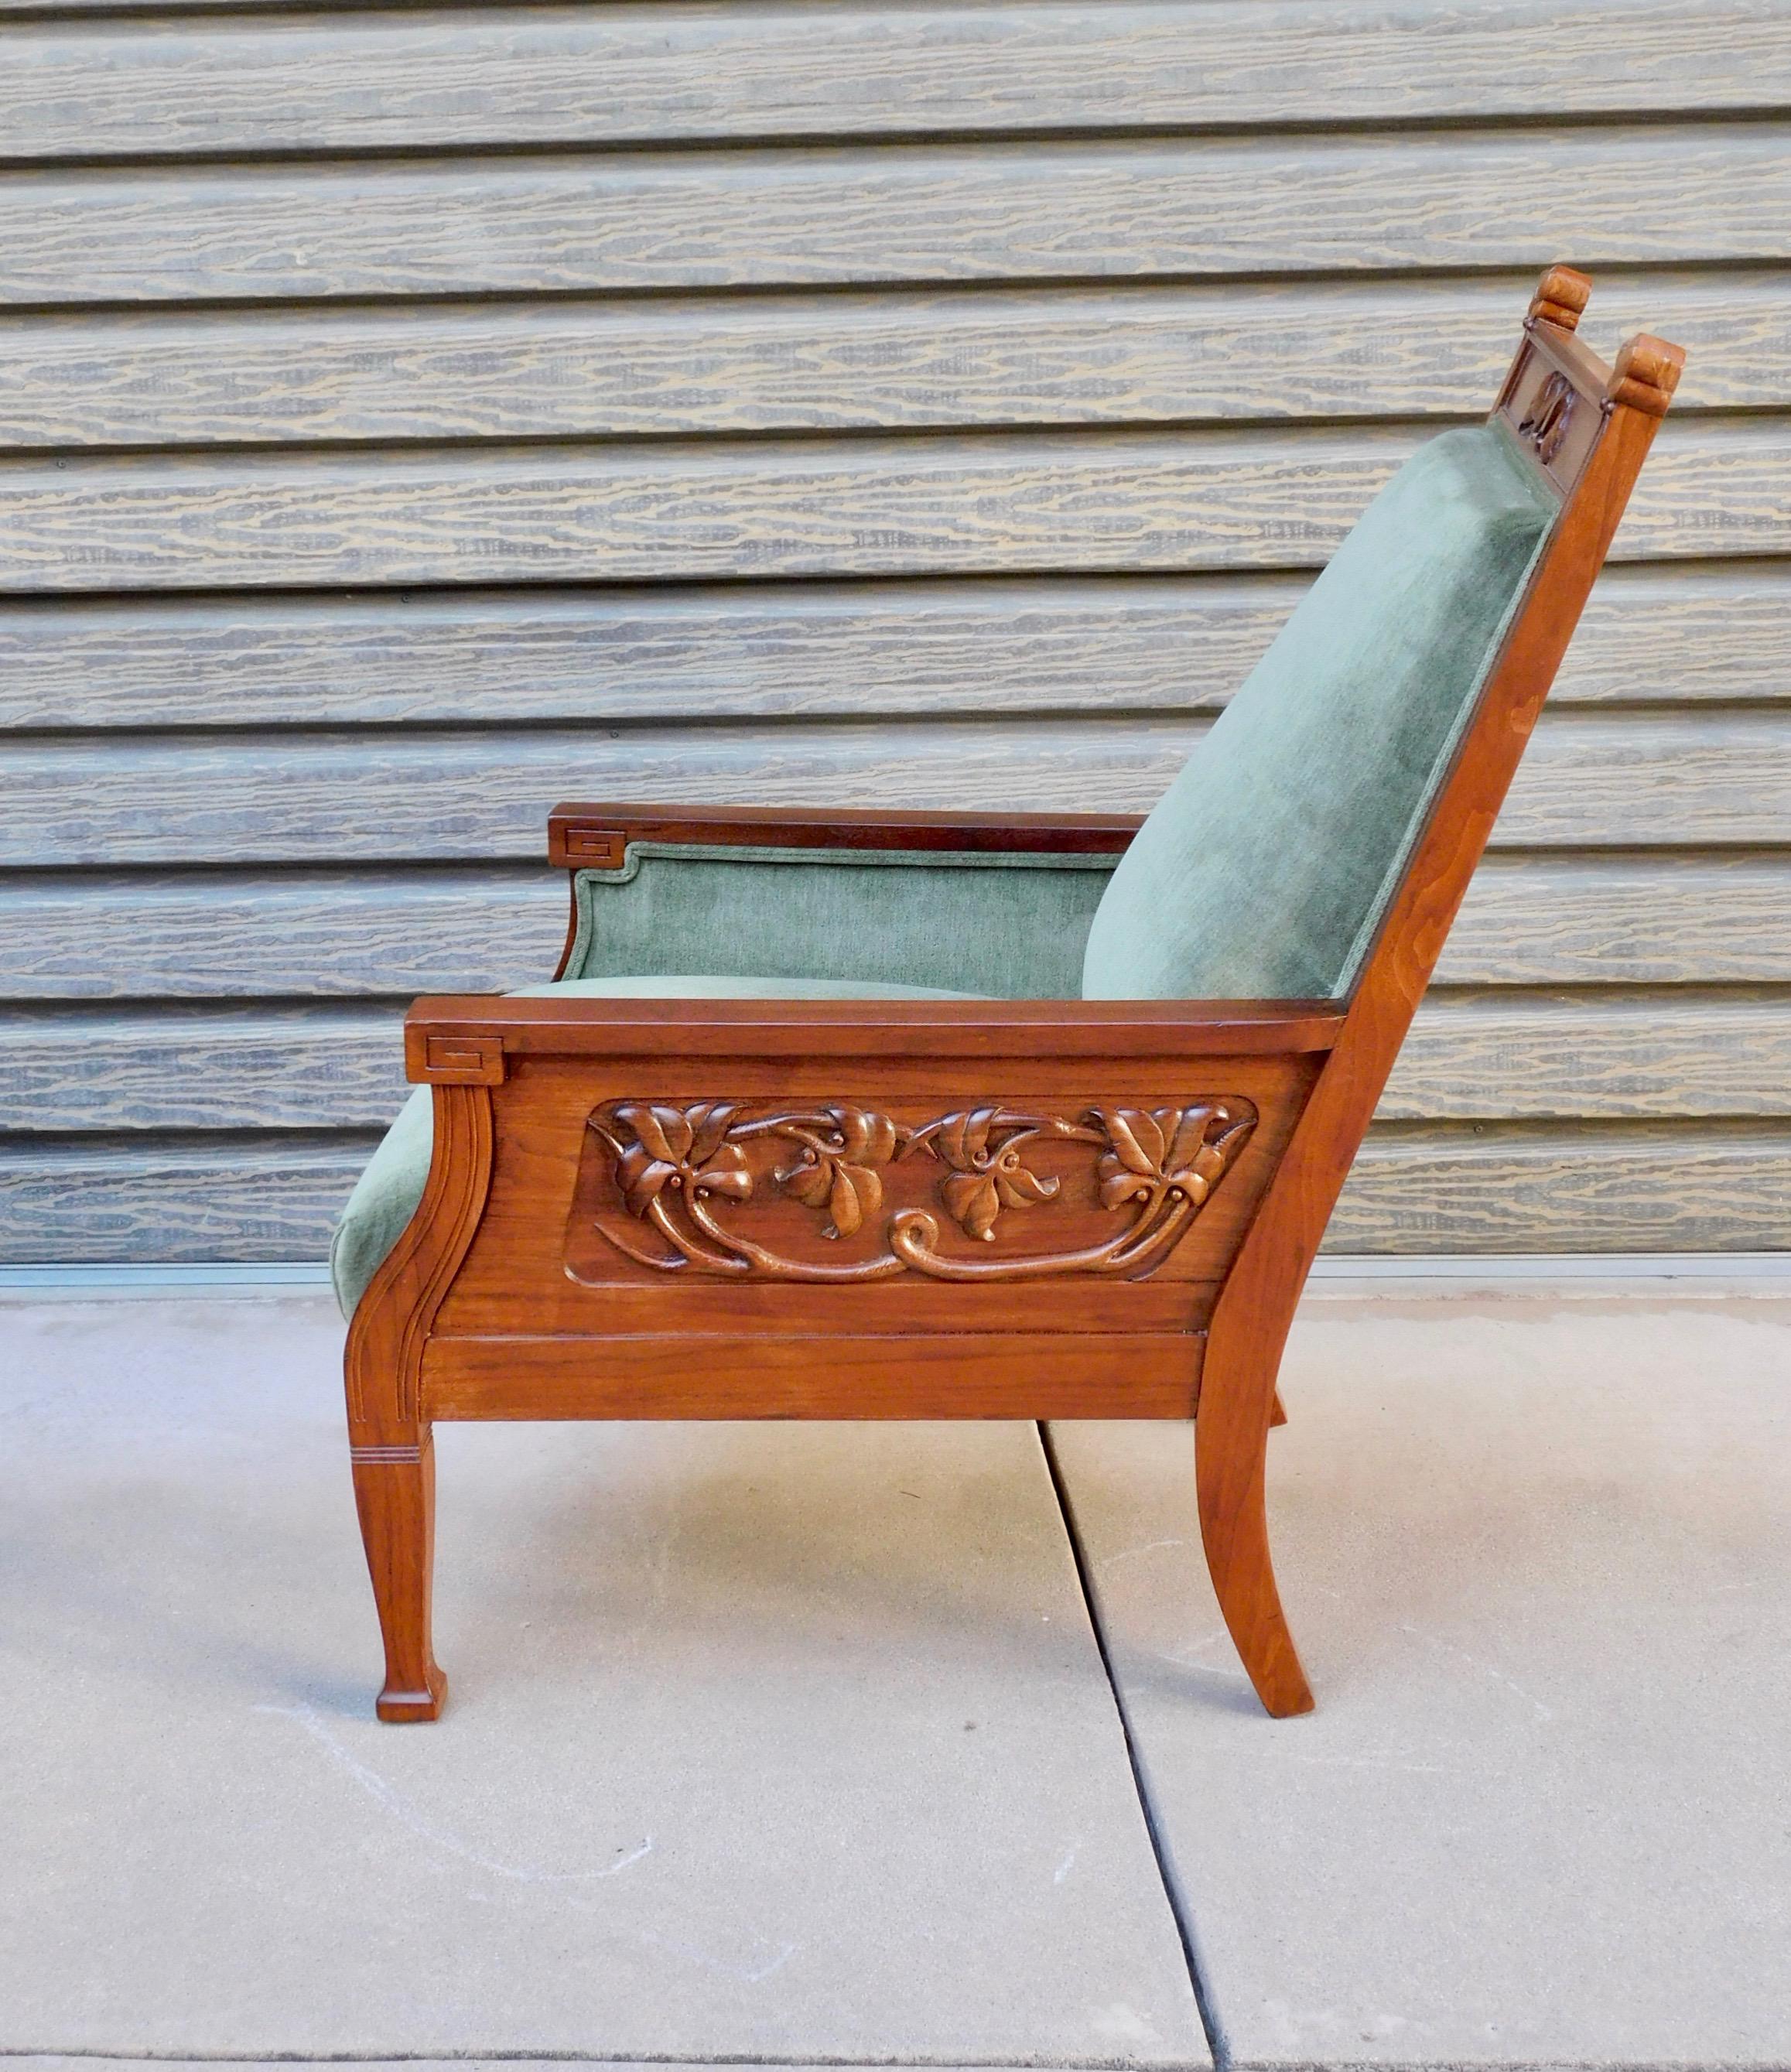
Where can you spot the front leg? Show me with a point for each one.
(390, 1445)
(395, 1495)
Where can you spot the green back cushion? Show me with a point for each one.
(1264, 871)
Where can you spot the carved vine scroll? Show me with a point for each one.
(690, 1176)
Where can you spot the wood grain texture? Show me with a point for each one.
(552, 369)
(1590, 1188)
(1058, 1374)
(1470, 1057)
(1652, 634)
(332, 933)
(266, 1195)
(276, 1195)
(1674, 918)
(1648, 194)
(936, 504)
(244, 1068)
(557, 75)
(1493, 1056)
(1595, 778)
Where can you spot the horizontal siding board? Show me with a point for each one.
(902, 361)
(1652, 633)
(1652, 1188)
(1536, 1189)
(1591, 779)
(267, 1196)
(551, 76)
(1493, 1056)
(1527, 921)
(242, 1068)
(936, 504)
(329, 934)
(1485, 1056)
(1593, 921)
(1651, 193)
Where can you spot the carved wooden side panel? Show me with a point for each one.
(839, 1193)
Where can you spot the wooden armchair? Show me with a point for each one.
(979, 1116)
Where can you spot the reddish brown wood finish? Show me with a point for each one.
(942, 1242)
(583, 837)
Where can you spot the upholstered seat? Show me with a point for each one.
(1261, 874)
(387, 1193)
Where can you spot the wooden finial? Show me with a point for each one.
(1646, 373)
(1561, 298)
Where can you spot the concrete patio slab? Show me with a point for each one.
(1538, 1561)
(783, 1743)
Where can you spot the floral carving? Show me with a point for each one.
(674, 1168)
(1168, 1149)
(837, 1168)
(680, 1148)
(985, 1178)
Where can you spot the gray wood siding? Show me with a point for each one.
(406, 420)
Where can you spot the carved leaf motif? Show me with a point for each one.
(1136, 1138)
(1119, 1183)
(963, 1140)
(663, 1131)
(642, 1177)
(811, 1183)
(678, 1147)
(835, 1170)
(667, 1160)
(866, 1138)
(726, 1173)
(709, 1123)
(1018, 1188)
(972, 1198)
(987, 1179)
(855, 1193)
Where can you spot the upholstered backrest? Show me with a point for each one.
(1265, 869)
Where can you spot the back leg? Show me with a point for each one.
(1230, 1450)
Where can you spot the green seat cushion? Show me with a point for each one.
(387, 1193)
(1265, 869)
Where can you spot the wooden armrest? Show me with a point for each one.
(596, 838)
(466, 1039)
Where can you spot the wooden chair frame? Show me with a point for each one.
(1198, 1147)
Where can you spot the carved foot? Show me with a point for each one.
(396, 1706)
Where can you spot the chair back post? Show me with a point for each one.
(1586, 428)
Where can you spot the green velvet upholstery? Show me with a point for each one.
(387, 1193)
(1263, 873)
(1265, 869)
(1011, 927)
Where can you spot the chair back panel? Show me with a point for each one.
(1264, 870)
